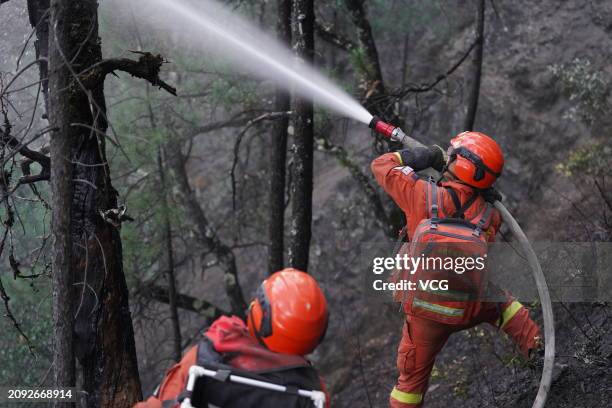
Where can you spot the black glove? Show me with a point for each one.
(421, 158)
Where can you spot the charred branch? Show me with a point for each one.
(31, 155)
(147, 67)
(403, 92)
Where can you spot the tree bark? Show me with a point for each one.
(470, 117)
(278, 159)
(89, 281)
(61, 143)
(301, 193)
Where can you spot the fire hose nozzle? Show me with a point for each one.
(392, 132)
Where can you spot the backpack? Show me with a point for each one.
(443, 244)
(220, 392)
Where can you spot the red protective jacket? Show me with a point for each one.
(422, 339)
(409, 193)
(228, 335)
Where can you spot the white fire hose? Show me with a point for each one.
(317, 397)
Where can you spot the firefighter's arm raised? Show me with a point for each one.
(396, 172)
(397, 180)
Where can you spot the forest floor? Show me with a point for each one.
(477, 368)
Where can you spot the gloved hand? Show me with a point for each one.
(421, 158)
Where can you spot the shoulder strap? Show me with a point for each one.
(432, 192)
(484, 219)
(455, 199)
(460, 210)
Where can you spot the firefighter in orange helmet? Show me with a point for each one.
(286, 320)
(469, 168)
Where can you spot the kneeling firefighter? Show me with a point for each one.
(286, 320)
(451, 209)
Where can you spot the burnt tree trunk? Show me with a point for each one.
(61, 142)
(278, 159)
(89, 281)
(472, 103)
(301, 192)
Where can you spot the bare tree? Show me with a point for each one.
(205, 234)
(278, 149)
(301, 192)
(91, 311)
(476, 72)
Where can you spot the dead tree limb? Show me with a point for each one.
(206, 235)
(8, 224)
(403, 92)
(32, 155)
(147, 67)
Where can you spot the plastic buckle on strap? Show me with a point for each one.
(222, 375)
(477, 231)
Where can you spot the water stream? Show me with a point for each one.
(212, 28)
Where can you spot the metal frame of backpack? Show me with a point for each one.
(317, 397)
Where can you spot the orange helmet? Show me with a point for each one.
(289, 313)
(478, 159)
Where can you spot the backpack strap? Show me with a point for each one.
(456, 200)
(432, 199)
(484, 219)
(460, 210)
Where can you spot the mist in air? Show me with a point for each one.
(211, 27)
